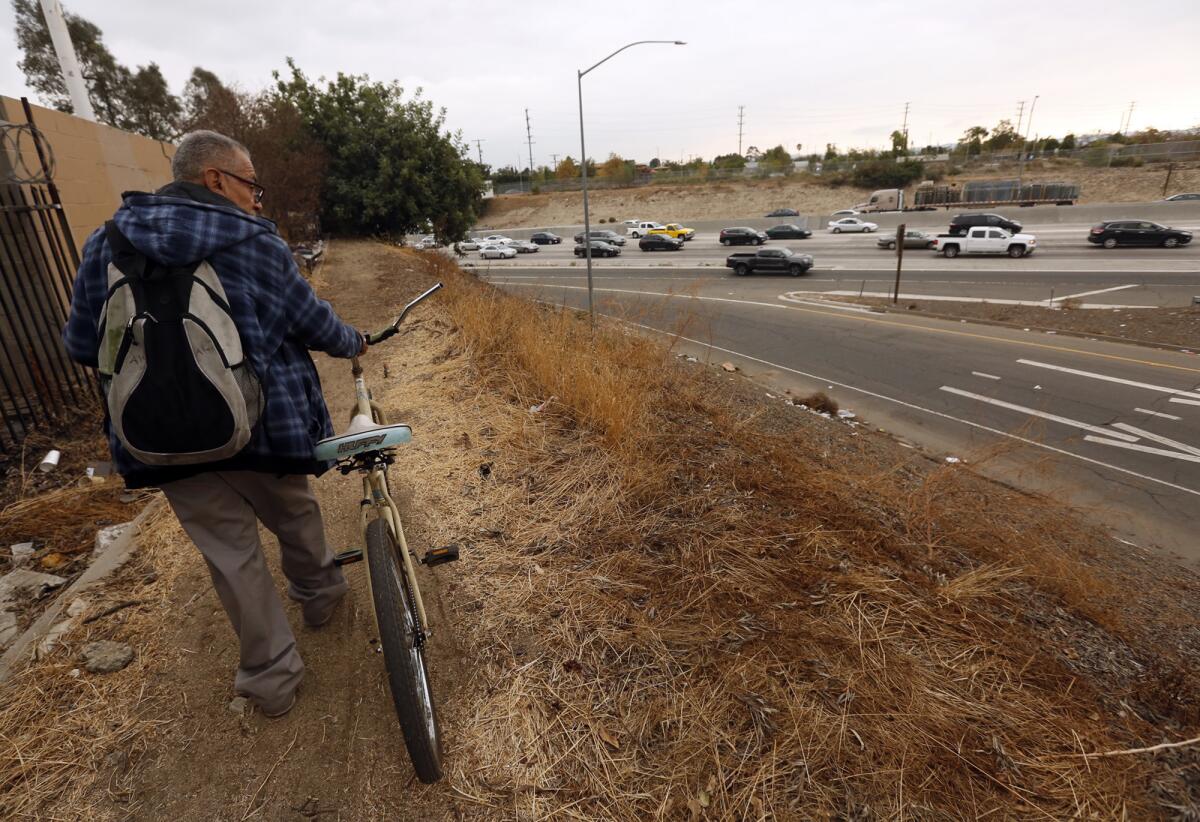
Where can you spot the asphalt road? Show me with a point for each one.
(1112, 429)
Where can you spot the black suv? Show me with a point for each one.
(742, 235)
(1113, 233)
(962, 222)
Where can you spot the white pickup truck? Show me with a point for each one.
(985, 240)
(641, 227)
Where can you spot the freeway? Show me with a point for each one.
(1112, 429)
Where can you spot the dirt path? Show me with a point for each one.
(339, 753)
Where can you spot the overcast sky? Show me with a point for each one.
(810, 73)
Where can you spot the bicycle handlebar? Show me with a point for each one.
(380, 336)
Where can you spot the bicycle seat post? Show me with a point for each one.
(355, 368)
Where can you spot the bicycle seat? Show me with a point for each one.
(360, 436)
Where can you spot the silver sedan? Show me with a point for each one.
(848, 224)
(912, 239)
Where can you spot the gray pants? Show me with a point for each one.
(220, 512)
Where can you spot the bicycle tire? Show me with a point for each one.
(408, 676)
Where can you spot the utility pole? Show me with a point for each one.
(1021, 162)
(554, 159)
(904, 128)
(479, 145)
(741, 110)
(68, 61)
(529, 140)
(1020, 116)
(1129, 117)
(900, 231)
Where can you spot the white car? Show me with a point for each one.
(525, 246)
(845, 212)
(497, 252)
(642, 227)
(497, 239)
(428, 242)
(473, 244)
(851, 224)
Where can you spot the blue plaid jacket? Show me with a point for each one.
(276, 312)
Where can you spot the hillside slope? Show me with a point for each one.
(754, 198)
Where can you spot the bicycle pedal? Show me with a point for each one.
(436, 556)
(347, 557)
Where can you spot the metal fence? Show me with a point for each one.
(40, 387)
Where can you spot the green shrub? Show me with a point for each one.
(885, 173)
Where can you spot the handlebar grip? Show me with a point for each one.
(380, 336)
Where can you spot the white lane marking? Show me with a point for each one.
(1178, 446)
(1095, 429)
(1157, 414)
(1161, 452)
(1184, 402)
(916, 407)
(791, 295)
(985, 376)
(1090, 293)
(1106, 378)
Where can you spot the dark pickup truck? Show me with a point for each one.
(769, 259)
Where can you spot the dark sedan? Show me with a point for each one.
(742, 235)
(788, 231)
(545, 238)
(659, 242)
(610, 237)
(599, 249)
(784, 212)
(1113, 233)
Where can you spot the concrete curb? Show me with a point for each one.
(23, 649)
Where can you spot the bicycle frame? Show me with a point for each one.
(378, 498)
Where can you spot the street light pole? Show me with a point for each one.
(587, 221)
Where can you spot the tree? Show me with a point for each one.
(617, 168)
(567, 169)
(1003, 136)
(729, 161)
(207, 99)
(776, 159)
(884, 172)
(1068, 143)
(137, 101)
(973, 139)
(150, 108)
(899, 143)
(831, 151)
(654, 163)
(391, 166)
(1050, 144)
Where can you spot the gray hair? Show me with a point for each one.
(199, 150)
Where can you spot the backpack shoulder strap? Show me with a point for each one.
(131, 262)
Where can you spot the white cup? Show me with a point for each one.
(50, 461)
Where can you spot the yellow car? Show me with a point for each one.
(674, 230)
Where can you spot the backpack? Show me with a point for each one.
(177, 387)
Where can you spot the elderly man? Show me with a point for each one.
(211, 213)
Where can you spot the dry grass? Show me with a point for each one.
(62, 730)
(683, 610)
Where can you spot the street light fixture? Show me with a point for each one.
(587, 222)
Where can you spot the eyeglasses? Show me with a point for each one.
(256, 190)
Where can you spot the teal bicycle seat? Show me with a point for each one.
(361, 436)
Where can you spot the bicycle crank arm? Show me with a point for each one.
(348, 557)
(437, 556)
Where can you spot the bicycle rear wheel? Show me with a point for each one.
(405, 660)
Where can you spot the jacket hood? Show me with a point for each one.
(173, 228)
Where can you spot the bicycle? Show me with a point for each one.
(368, 447)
